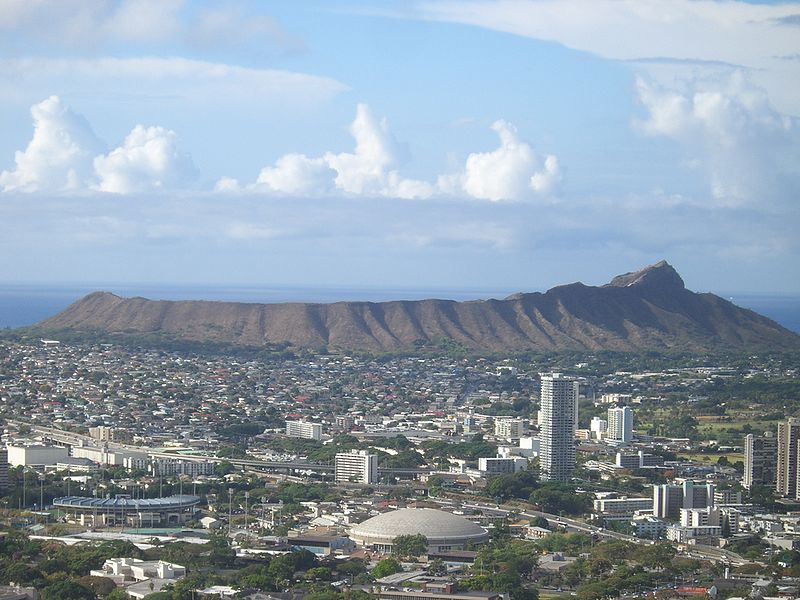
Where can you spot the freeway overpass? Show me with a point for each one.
(72, 439)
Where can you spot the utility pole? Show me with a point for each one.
(246, 498)
(230, 511)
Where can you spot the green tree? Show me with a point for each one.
(386, 567)
(65, 588)
(410, 546)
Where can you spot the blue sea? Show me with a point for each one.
(26, 304)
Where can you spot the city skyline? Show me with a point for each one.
(196, 143)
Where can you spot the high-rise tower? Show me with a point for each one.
(559, 401)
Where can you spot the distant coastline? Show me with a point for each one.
(26, 304)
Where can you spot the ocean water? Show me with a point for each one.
(24, 304)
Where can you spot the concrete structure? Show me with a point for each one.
(668, 500)
(498, 465)
(683, 535)
(170, 466)
(614, 399)
(436, 594)
(598, 427)
(648, 526)
(107, 457)
(36, 456)
(125, 511)
(725, 518)
(102, 433)
(616, 509)
(727, 497)
(760, 460)
(640, 460)
(356, 466)
(559, 402)
(786, 476)
(445, 531)
(304, 429)
(140, 577)
(125, 570)
(322, 545)
(508, 428)
(620, 425)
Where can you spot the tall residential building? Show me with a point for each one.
(356, 466)
(304, 429)
(668, 500)
(3, 469)
(559, 401)
(786, 476)
(508, 428)
(620, 425)
(760, 460)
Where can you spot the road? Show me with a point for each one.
(700, 552)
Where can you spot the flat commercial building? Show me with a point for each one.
(36, 456)
(559, 401)
(620, 425)
(786, 476)
(760, 460)
(168, 467)
(621, 508)
(356, 466)
(499, 465)
(304, 429)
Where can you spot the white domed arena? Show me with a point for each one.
(445, 531)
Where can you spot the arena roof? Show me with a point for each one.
(436, 525)
(124, 503)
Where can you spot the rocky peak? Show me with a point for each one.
(661, 276)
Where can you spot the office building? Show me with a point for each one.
(304, 429)
(508, 429)
(620, 425)
(356, 466)
(559, 400)
(786, 476)
(760, 460)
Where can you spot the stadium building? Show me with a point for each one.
(444, 531)
(128, 512)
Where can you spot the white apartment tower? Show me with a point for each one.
(559, 401)
(304, 429)
(786, 476)
(620, 425)
(356, 466)
(760, 460)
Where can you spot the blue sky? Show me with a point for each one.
(471, 144)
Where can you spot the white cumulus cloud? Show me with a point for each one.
(367, 170)
(511, 172)
(728, 127)
(65, 155)
(148, 159)
(59, 156)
